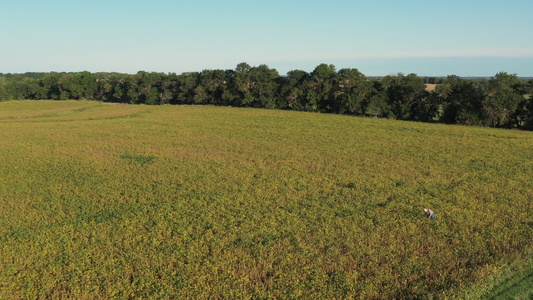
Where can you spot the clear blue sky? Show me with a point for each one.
(462, 37)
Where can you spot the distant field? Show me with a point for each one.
(115, 201)
(430, 87)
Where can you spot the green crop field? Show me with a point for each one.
(105, 200)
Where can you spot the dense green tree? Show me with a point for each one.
(322, 87)
(64, 83)
(254, 86)
(293, 91)
(242, 84)
(35, 90)
(228, 91)
(51, 84)
(528, 114)
(426, 108)
(263, 87)
(353, 92)
(3, 92)
(213, 84)
(528, 88)
(82, 85)
(502, 98)
(151, 95)
(132, 89)
(104, 88)
(523, 115)
(186, 87)
(200, 95)
(378, 105)
(148, 86)
(17, 90)
(408, 97)
(460, 100)
(119, 89)
(166, 88)
(75, 86)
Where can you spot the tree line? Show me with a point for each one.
(503, 101)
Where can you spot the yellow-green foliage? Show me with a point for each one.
(115, 201)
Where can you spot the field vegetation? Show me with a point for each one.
(101, 200)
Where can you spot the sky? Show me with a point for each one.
(429, 38)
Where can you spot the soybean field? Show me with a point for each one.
(104, 201)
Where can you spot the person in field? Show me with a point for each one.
(429, 213)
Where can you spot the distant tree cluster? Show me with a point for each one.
(501, 101)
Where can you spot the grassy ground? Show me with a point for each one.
(115, 201)
(514, 282)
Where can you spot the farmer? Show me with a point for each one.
(429, 213)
